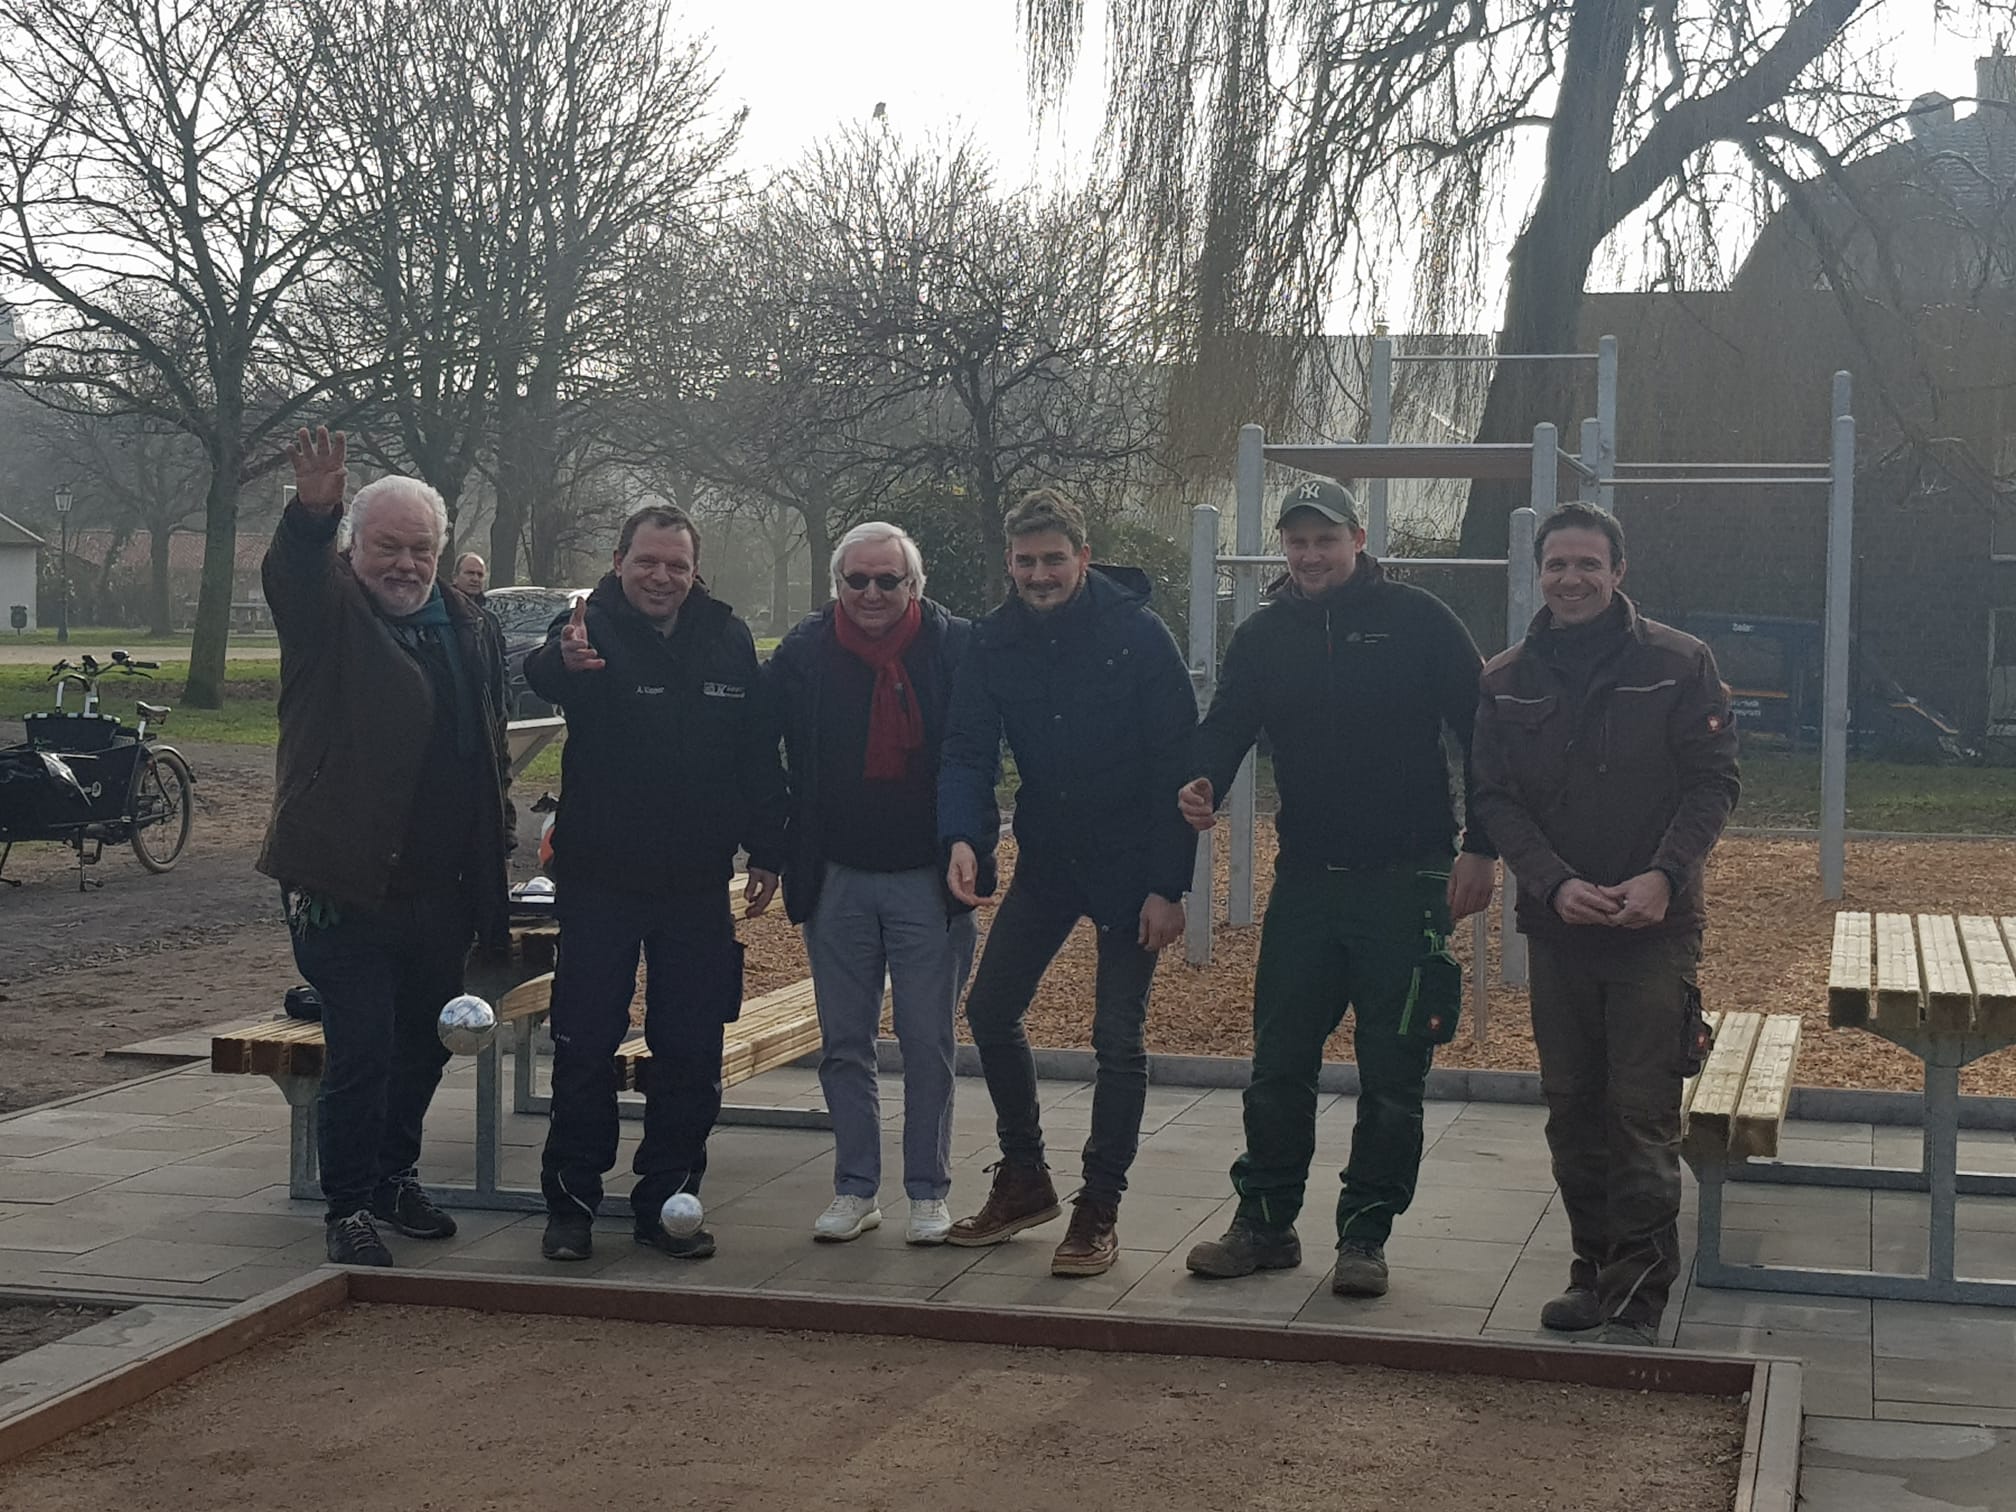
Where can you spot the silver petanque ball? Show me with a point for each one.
(681, 1215)
(467, 1024)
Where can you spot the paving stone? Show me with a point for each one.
(978, 1288)
(17, 1185)
(1847, 1316)
(197, 1181)
(1838, 1378)
(161, 1259)
(138, 1330)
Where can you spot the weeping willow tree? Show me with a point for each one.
(1270, 150)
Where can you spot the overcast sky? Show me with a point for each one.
(806, 67)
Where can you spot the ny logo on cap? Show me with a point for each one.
(1311, 491)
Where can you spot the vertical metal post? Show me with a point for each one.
(1606, 412)
(489, 1113)
(1379, 431)
(1834, 681)
(1204, 677)
(1245, 599)
(1942, 1155)
(1592, 452)
(1522, 602)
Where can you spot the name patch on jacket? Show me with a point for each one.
(722, 690)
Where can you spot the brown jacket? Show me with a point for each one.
(1639, 776)
(355, 710)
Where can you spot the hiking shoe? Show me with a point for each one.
(1627, 1335)
(930, 1221)
(1361, 1269)
(695, 1246)
(1091, 1244)
(1577, 1310)
(354, 1241)
(569, 1236)
(847, 1218)
(404, 1204)
(1245, 1248)
(1022, 1197)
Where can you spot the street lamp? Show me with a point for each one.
(63, 564)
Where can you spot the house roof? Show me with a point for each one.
(185, 549)
(13, 533)
(1969, 163)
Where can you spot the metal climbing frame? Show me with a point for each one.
(1540, 463)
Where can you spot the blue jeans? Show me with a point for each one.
(383, 975)
(1029, 928)
(693, 988)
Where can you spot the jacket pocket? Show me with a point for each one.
(1525, 713)
(1434, 1005)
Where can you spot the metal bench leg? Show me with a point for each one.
(1942, 1159)
(1708, 1221)
(524, 1062)
(304, 1173)
(489, 1114)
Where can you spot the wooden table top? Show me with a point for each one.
(1939, 973)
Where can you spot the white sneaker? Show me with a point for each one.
(848, 1218)
(930, 1222)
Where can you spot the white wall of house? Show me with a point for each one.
(17, 585)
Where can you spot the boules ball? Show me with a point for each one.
(681, 1215)
(467, 1024)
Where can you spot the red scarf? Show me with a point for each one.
(895, 723)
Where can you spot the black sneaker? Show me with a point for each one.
(354, 1241)
(569, 1236)
(1245, 1248)
(404, 1204)
(1361, 1269)
(695, 1246)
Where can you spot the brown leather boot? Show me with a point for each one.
(1022, 1198)
(1092, 1243)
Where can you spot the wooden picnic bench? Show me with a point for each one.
(1943, 988)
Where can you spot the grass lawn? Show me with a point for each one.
(251, 691)
(95, 637)
(1782, 789)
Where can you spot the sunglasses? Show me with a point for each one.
(888, 582)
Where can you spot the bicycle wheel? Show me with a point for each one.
(162, 810)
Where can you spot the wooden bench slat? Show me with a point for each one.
(1992, 973)
(1949, 995)
(1900, 998)
(1720, 1085)
(1767, 1088)
(1714, 1021)
(1848, 977)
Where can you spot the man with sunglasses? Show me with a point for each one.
(861, 689)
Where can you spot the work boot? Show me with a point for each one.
(1092, 1243)
(1628, 1335)
(404, 1204)
(569, 1236)
(1022, 1198)
(354, 1241)
(1576, 1310)
(1361, 1269)
(1245, 1248)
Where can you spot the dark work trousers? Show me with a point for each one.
(693, 987)
(1029, 928)
(1612, 1023)
(383, 975)
(1334, 939)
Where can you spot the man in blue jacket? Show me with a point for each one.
(670, 766)
(862, 687)
(1088, 687)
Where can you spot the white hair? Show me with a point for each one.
(395, 486)
(873, 533)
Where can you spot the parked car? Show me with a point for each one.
(523, 614)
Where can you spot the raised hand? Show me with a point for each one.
(576, 655)
(1194, 802)
(319, 473)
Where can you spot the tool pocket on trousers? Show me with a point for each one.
(1435, 992)
(1696, 1038)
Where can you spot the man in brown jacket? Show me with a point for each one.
(388, 827)
(1605, 767)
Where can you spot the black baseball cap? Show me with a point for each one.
(1331, 500)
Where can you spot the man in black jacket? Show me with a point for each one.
(1094, 699)
(670, 766)
(862, 688)
(1354, 677)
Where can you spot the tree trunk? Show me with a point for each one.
(220, 552)
(818, 549)
(780, 585)
(160, 611)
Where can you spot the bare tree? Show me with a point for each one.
(1269, 147)
(167, 206)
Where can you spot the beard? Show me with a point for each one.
(398, 597)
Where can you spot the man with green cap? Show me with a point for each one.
(1354, 677)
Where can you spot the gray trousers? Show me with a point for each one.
(1612, 1026)
(866, 924)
